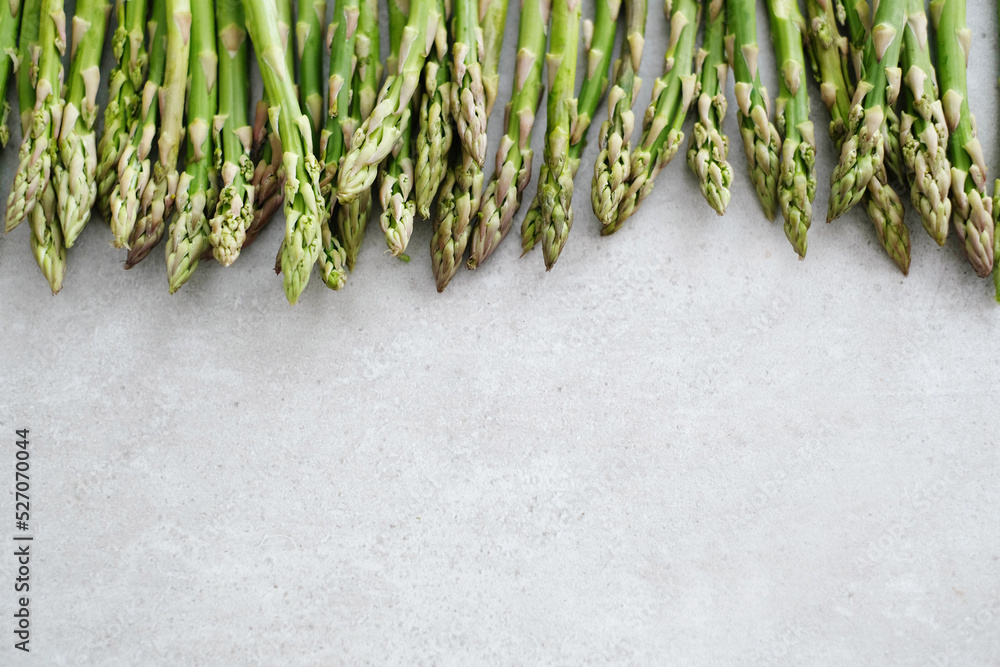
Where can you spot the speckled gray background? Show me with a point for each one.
(681, 446)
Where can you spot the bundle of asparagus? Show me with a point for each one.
(181, 74)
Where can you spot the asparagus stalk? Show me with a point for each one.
(74, 175)
(39, 146)
(125, 82)
(435, 133)
(10, 23)
(468, 97)
(761, 141)
(395, 193)
(269, 175)
(883, 205)
(232, 137)
(458, 206)
(197, 188)
(27, 47)
(352, 218)
(135, 167)
(550, 216)
(46, 236)
(709, 150)
(828, 51)
(309, 40)
(162, 189)
(304, 208)
(380, 131)
(673, 92)
(796, 177)
(863, 153)
(613, 165)
(971, 209)
(923, 130)
(341, 37)
(502, 197)
(493, 20)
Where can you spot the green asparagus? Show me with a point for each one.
(493, 21)
(353, 218)
(396, 190)
(662, 131)
(613, 165)
(309, 41)
(923, 130)
(378, 134)
(828, 51)
(761, 141)
(709, 150)
(863, 153)
(10, 23)
(304, 208)
(197, 188)
(972, 209)
(468, 97)
(74, 174)
(796, 177)
(458, 207)
(435, 123)
(39, 146)
(27, 47)
(502, 197)
(125, 82)
(232, 136)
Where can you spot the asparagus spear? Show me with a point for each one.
(39, 147)
(828, 51)
(796, 178)
(493, 19)
(883, 205)
(613, 165)
(197, 188)
(46, 236)
(269, 175)
(352, 218)
(304, 208)
(10, 23)
(232, 138)
(309, 40)
(125, 82)
(468, 97)
(662, 133)
(161, 190)
(761, 141)
(709, 150)
(863, 153)
(74, 174)
(135, 167)
(27, 48)
(395, 193)
(502, 197)
(923, 130)
(971, 209)
(341, 37)
(47, 243)
(435, 133)
(380, 131)
(458, 205)
(550, 216)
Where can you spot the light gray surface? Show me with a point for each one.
(681, 446)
